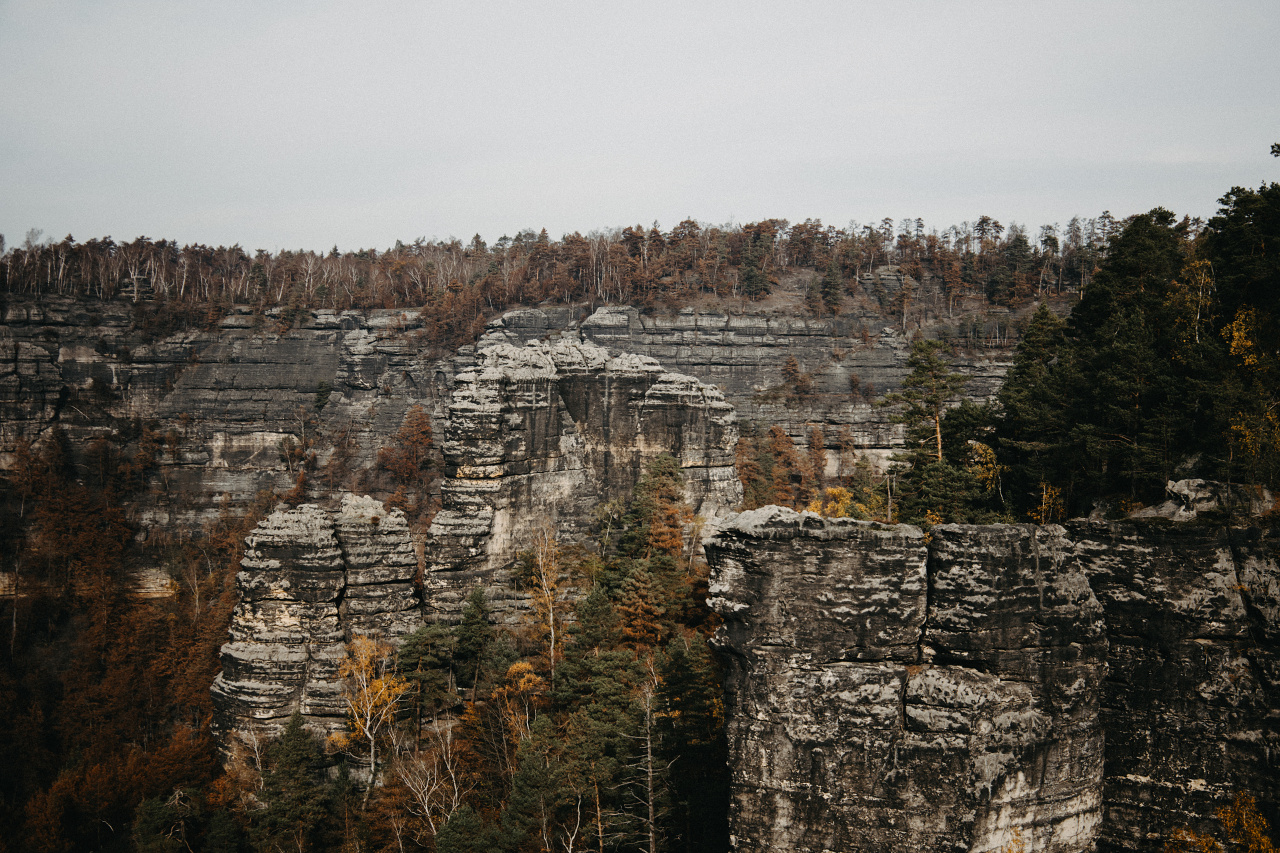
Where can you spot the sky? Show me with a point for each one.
(292, 125)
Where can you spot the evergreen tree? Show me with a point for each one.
(296, 806)
(1031, 427)
(754, 280)
(425, 660)
(466, 832)
(473, 635)
(1111, 405)
(1242, 248)
(832, 286)
(924, 396)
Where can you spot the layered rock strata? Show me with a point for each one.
(743, 354)
(311, 580)
(1098, 685)
(887, 692)
(226, 399)
(543, 434)
(228, 395)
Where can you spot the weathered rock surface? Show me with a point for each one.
(892, 693)
(744, 354)
(311, 580)
(227, 396)
(1191, 704)
(232, 394)
(1101, 686)
(543, 434)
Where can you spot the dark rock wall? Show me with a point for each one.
(1101, 686)
(231, 394)
(1191, 704)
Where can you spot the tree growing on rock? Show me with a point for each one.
(295, 804)
(372, 693)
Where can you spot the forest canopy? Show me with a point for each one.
(457, 286)
(601, 718)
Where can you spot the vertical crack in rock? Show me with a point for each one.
(311, 579)
(888, 693)
(1189, 705)
(1032, 644)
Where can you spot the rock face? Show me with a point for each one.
(544, 433)
(1191, 704)
(232, 392)
(888, 693)
(312, 579)
(743, 355)
(226, 397)
(1097, 686)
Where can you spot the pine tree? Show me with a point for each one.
(474, 635)
(925, 394)
(295, 804)
(832, 286)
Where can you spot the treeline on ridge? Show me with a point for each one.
(1168, 368)
(457, 286)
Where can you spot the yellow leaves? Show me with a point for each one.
(372, 693)
(1185, 840)
(522, 680)
(1051, 507)
(984, 465)
(1257, 434)
(1241, 336)
(1191, 297)
(522, 693)
(840, 502)
(1245, 827)
(1016, 843)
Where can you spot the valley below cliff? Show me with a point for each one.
(1094, 684)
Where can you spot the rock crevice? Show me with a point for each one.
(311, 580)
(1095, 686)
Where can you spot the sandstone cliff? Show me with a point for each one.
(230, 392)
(1191, 702)
(1101, 685)
(890, 693)
(743, 354)
(227, 398)
(545, 433)
(311, 580)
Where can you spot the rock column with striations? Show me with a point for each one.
(543, 434)
(311, 579)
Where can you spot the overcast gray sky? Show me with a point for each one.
(292, 125)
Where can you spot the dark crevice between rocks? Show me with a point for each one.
(1256, 623)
